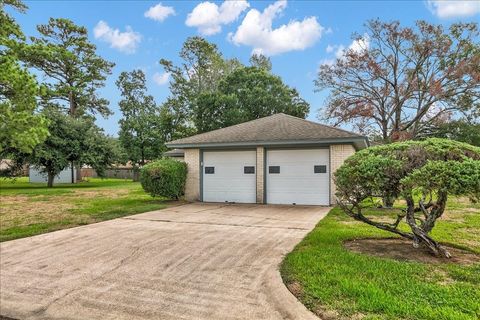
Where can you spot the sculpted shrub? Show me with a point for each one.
(423, 173)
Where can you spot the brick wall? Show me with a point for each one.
(260, 171)
(192, 186)
(338, 154)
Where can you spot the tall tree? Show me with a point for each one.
(398, 80)
(21, 127)
(74, 70)
(261, 61)
(247, 93)
(141, 133)
(200, 71)
(209, 92)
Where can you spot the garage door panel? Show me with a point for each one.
(293, 198)
(298, 170)
(298, 186)
(297, 181)
(229, 182)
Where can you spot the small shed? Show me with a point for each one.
(65, 176)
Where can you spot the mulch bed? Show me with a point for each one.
(402, 250)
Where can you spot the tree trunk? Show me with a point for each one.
(421, 236)
(388, 201)
(73, 107)
(50, 177)
(79, 173)
(72, 170)
(436, 212)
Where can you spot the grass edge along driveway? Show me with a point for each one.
(330, 280)
(28, 209)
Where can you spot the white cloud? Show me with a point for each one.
(330, 48)
(161, 78)
(360, 44)
(208, 17)
(340, 52)
(357, 46)
(453, 9)
(256, 31)
(124, 41)
(159, 12)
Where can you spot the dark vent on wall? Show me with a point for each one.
(249, 170)
(274, 169)
(320, 169)
(209, 170)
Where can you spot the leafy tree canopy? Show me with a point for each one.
(247, 93)
(71, 139)
(21, 127)
(201, 69)
(260, 61)
(210, 92)
(141, 130)
(423, 173)
(396, 81)
(459, 130)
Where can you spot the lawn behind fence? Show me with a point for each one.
(333, 281)
(28, 209)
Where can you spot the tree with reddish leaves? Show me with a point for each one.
(404, 79)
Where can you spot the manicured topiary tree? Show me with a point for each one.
(164, 178)
(423, 173)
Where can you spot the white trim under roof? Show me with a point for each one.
(358, 142)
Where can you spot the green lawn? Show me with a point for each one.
(329, 279)
(27, 209)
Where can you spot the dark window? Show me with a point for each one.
(274, 169)
(249, 170)
(320, 169)
(209, 170)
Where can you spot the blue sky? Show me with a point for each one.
(297, 35)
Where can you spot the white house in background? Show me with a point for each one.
(65, 176)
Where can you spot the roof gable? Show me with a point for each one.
(276, 129)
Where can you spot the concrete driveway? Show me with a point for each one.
(195, 261)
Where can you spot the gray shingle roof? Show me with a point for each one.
(175, 153)
(277, 129)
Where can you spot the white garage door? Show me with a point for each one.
(229, 176)
(298, 176)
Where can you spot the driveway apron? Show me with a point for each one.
(195, 261)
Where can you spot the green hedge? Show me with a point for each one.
(164, 178)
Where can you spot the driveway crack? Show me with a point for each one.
(245, 216)
(217, 224)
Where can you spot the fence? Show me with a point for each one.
(113, 173)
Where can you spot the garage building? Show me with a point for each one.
(279, 159)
